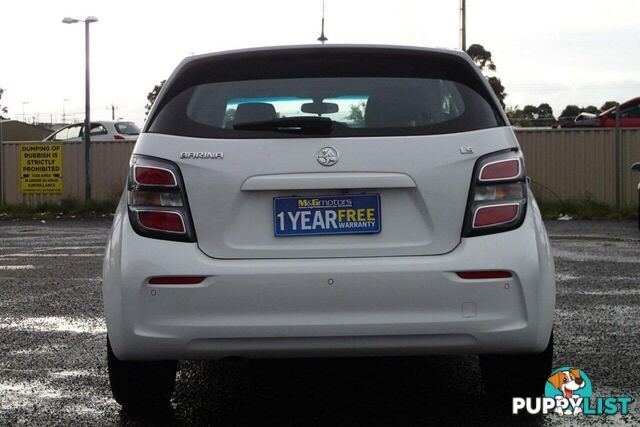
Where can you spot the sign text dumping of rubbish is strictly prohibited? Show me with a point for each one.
(41, 168)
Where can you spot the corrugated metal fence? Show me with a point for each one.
(569, 164)
(109, 166)
(579, 163)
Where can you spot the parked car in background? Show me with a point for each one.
(104, 130)
(263, 218)
(629, 115)
(582, 120)
(585, 120)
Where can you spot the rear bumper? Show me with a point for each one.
(328, 307)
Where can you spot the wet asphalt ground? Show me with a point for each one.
(53, 360)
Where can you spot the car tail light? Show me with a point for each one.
(118, 137)
(157, 201)
(500, 170)
(495, 214)
(498, 195)
(148, 175)
(170, 222)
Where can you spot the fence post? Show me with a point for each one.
(618, 169)
(1, 165)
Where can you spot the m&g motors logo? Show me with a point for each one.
(568, 392)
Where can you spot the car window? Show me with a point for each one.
(68, 133)
(74, 131)
(61, 135)
(363, 105)
(350, 109)
(127, 128)
(415, 96)
(98, 129)
(630, 112)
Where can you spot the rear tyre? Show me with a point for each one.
(140, 385)
(516, 375)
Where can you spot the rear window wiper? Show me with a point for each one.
(301, 124)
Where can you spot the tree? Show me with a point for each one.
(607, 105)
(498, 89)
(356, 113)
(484, 60)
(515, 115)
(545, 111)
(151, 97)
(3, 110)
(570, 111)
(481, 56)
(229, 115)
(530, 115)
(591, 109)
(530, 112)
(544, 115)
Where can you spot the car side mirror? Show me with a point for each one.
(635, 167)
(319, 108)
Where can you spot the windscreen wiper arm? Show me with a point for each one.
(302, 124)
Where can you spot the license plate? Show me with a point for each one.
(314, 215)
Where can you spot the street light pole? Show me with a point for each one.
(87, 113)
(463, 25)
(24, 116)
(64, 110)
(87, 104)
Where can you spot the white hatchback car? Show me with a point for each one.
(103, 130)
(327, 201)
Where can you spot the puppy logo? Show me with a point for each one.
(568, 392)
(568, 385)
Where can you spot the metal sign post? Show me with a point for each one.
(1, 166)
(618, 143)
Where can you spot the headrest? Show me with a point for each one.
(394, 107)
(254, 112)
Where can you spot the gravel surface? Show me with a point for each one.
(53, 361)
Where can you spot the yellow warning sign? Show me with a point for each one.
(41, 168)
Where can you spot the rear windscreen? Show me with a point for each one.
(335, 93)
(127, 128)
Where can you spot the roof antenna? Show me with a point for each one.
(322, 38)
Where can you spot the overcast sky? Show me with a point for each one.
(557, 51)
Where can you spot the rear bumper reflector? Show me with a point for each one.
(483, 274)
(176, 280)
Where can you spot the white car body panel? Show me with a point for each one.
(424, 220)
(376, 306)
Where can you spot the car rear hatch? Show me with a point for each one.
(264, 167)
